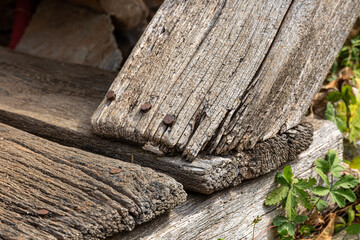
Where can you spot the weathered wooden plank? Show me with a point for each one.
(56, 101)
(50, 191)
(62, 31)
(229, 213)
(232, 73)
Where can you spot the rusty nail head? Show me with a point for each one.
(111, 95)
(114, 170)
(169, 119)
(43, 212)
(145, 107)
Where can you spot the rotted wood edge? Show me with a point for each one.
(55, 101)
(50, 191)
(229, 213)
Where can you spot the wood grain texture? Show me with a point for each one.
(228, 214)
(83, 199)
(62, 31)
(233, 73)
(56, 100)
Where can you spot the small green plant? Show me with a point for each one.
(344, 224)
(343, 106)
(353, 229)
(255, 221)
(293, 192)
(349, 56)
(343, 109)
(306, 229)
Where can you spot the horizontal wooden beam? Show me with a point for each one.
(56, 101)
(229, 213)
(50, 191)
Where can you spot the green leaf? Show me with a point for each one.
(338, 227)
(306, 230)
(353, 229)
(323, 165)
(338, 119)
(276, 195)
(355, 163)
(305, 183)
(279, 220)
(287, 228)
(346, 181)
(291, 205)
(288, 174)
(347, 95)
(303, 197)
(346, 193)
(357, 207)
(320, 191)
(351, 215)
(323, 176)
(332, 158)
(338, 199)
(334, 96)
(280, 178)
(334, 162)
(354, 124)
(336, 171)
(300, 219)
(321, 204)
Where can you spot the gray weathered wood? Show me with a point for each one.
(62, 31)
(83, 199)
(228, 214)
(56, 101)
(233, 73)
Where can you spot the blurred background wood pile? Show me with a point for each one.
(98, 33)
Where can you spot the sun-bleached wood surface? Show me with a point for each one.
(49, 191)
(56, 100)
(232, 73)
(229, 213)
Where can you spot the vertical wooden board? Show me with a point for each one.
(231, 72)
(62, 31)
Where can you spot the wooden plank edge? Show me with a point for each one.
(204, 175)
(229, 213)
(84, 195)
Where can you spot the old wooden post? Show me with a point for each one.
(231, 74)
